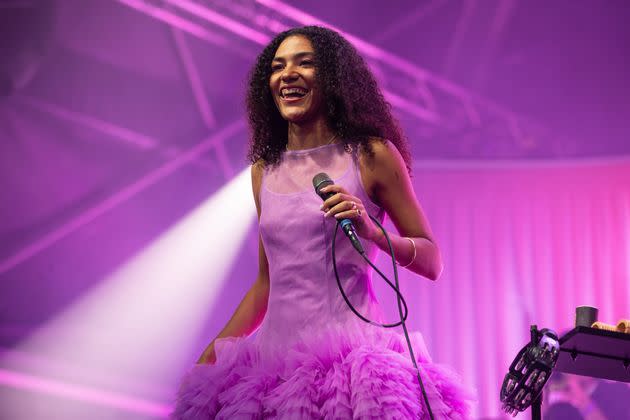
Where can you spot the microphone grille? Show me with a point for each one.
(320, 180)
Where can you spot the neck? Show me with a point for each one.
(309, 135)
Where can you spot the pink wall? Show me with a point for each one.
(523, 243)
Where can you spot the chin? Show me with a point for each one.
(294, 117)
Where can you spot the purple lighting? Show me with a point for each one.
(221, 20)
(127, 220)
(176, 21)
(82, 393)
(117, 198)
(138, 139)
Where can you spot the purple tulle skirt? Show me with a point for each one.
(363, 373)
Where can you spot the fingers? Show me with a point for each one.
(350, 214)
(337, 208)
(336, 200)
(342, 205)
(340, 194)
(346, 210)
(334, 188)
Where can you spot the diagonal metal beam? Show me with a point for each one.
(124, 134)
(185, 25)
(370, 50)
(221, 20)
(411, 17)
(203, 12)
(119, 197)
(437, 101)
(262, 39)
(201, 98)
(136, 139)
(503, 13)
(192, 74)
(463, 23)
(394, 61)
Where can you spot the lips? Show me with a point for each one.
(293, 93)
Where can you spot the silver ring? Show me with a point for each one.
(358, 212)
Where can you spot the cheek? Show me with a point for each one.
(274, 82)
(272, 89)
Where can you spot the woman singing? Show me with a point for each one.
(313, 107)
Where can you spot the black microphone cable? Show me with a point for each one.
(399, 298)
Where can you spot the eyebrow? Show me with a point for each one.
(296, 56)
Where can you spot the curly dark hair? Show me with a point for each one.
(356, 110)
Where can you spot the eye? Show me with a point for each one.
(276, 67)
(307, 62)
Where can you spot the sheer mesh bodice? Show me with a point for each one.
(297, 240)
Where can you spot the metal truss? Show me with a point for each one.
(175, 158)
(447, 111)
(181, 159)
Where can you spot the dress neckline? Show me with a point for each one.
(312, 149)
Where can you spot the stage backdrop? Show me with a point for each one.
(523, 243)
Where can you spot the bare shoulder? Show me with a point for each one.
(380, 165)
(257, 170)
(257, 174)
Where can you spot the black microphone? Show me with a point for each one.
(322, 180)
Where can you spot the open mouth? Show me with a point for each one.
(293, 93)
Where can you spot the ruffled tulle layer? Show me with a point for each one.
(334, 374)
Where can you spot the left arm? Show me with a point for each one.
(387, 182)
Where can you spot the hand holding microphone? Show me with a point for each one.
(347, 209)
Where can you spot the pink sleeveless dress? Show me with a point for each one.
(312, 358)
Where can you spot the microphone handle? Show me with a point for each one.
(347, 227)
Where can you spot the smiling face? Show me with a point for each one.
(293, 84)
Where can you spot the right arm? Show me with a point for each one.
(251, 311)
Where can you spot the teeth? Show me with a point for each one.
(288, 91)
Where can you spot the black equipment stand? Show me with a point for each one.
(536, 406)
(597, 353)
(588, 352)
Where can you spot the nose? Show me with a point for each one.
(288, 74)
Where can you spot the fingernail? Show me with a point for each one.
(321, 207)
(327, 214)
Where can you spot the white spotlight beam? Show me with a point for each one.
(31, 383)
(144, 319)
(119, 197)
